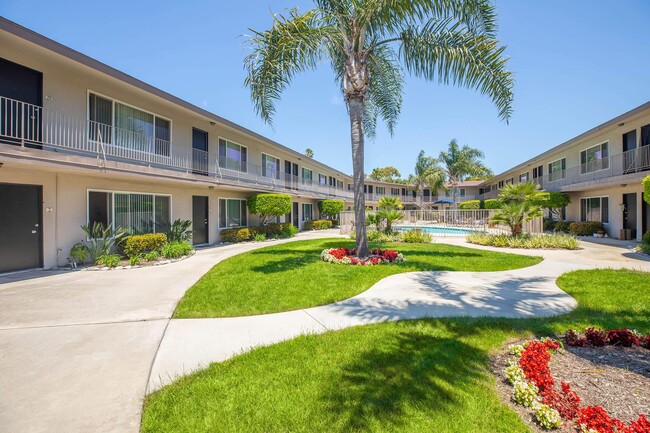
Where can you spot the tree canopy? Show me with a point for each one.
(386, 174)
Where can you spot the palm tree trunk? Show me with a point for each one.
(355, 107)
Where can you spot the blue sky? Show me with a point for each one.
(577, 63)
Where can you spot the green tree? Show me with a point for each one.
(646, 189)
(309, 153)
(462, 163)
(553, 201)
(331, 208)
(428, 174)
(386, 174)
(269, 206)
(369, 45)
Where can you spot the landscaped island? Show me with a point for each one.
(292, 276)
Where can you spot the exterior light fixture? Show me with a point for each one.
(212, 123)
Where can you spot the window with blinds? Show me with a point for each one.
(128, 127)
(138, 213)
(270, 166)
(232, 213)
(233, 156)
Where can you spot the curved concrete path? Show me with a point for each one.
(192, 344)
(79, 350)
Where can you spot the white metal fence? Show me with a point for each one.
(451, 222)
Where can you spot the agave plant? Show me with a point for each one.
(101, 240)
(177, 231)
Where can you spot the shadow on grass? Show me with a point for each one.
(409, 370)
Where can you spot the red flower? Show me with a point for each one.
(596, 418)
(596, 337)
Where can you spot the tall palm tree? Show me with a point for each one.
(428, 174)
(369, 44)
(462, 163)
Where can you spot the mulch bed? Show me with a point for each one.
(616, 378)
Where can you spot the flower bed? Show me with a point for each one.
(346, 256)
(534, 387)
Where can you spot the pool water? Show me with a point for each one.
(443, 231)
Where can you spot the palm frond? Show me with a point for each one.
(446, 51)
(293, 44)
(387, 83)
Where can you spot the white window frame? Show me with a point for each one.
(112, 125)
(601, 197)
(323, 176)
(550, 164)
(601, 152)
(264, 166)
(302, 209)
(219, 138)
(302, 174)
(383, 189)
(112, 192)
(525, 176)
(219, 212)
(393, 193)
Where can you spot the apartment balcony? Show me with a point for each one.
(459, 198)
(375, 197)
(614, 169)
(31, 126)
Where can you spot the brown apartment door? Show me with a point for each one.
(200, 224)
(21, 99)
(21, 245)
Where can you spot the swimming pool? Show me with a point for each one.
(440, 231)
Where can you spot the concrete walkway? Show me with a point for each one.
(79, 350)
(76, 348)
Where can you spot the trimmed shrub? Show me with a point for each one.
(151, 256)
(318, 225)
(336, 223)
(260, 237)
(174, 250)
(269, 206)
(563, 226)
(330, 207)
(646, 189)
(416, 237)
(491, 203)
(586, 228)
(537, 242)
(470, 204)
(239, 234)
(275, 230)
(549, 224)
(141, 244)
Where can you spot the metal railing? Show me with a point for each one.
(376, 197)
(450, 222)
(29, 125)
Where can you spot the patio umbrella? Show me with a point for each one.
(443, 202)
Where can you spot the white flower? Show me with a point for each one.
(515, 349)
(525, 393)
(547, 417)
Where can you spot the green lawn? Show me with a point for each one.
(292, 276)
(414, 376)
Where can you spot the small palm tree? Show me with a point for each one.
(309, 153)
(514, 215)
(390, 203)
(428, 174)
(462, 163)
(520, 204)
(369, 43)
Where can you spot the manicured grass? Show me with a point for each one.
(424, 375)
(292, 276)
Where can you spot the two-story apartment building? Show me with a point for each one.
(81, 142)
(423, 200)
(601, 170)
